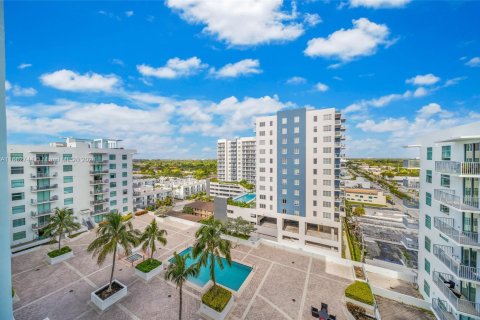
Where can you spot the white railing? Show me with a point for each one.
(444, 254)
(442, 310)
(448, 197)
(455, 167)
(410, 242)
(447, 227)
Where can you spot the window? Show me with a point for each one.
(18, 196)
(445, 180)
(284, 191)
(68, 190)
(111, 157)
(284, 130)
(284, 120)
(426, 288)
(446, 152)
(113, 184)
(327, 215)
(18, 209)
(19, 235)
(296, 203)
(314, 118)
(67, 201)
(296, 119)
(327, 128)
(125, 209)
(297, 172)
(261, 124)
(296, 192)
(124, 157)
(296, 182)
(113, 202)
(124, 183)
(296, 150)
(428, 199)
(113, 193)
(16, 170)
(284, 150)
(444, 209)
(296, 161)
(429, 176)
(327, 160)
(296, 140)
(124, 174)
(67, 168)
(429, 153)
(67, 157)
(112, 166)
(327, 193)
(327, 150)
(19, 183)
(16, 157)
(327, 117)
(428, 243)
(113, 175)
(428, 221)
(314, 171)
(327, 204)
(327, 139)
(327, 172)
(427, 266)
(18, 222)
(124, 165)
(67, 179)
(296, 130)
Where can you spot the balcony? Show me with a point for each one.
(99, 171)
(410, 223)
(445, 255)
(99, 191)
(410, 242)
(38, 226)
(98, 181)
(442, 310)
(463, 169)
(95, 161)
(100, 211)
(43, 162)
(447, 286)
(36, 214)
(447, 227)
(42, 188)
(51, 199)
(98, 201)
(448, 198)
(42, 175)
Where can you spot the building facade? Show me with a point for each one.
(91, 177)
(299, 199)
(449, 242)
(225, 189)
(236, 159)
(366, 196)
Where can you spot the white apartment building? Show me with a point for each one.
(449, 242)
(236, 159)
(298, 188)
(225, 189)
(91, 177)
(146, 195)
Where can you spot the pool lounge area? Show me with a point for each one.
(245, 198)
(231, 277)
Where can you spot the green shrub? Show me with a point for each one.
(73, 235)
(59, 252)
(148, 265)
(360, 291)
(217, 298)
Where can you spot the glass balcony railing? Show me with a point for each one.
(445, 255)
(43, 162)
(447, 227)
(449, 198)
(35, 201)
(442, 310)
(36, 214)
(458, 168)
(98, 181)
(41, 175)
(410, 242)
(42, 188)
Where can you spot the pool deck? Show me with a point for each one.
(283, 285)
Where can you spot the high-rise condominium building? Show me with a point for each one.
(298, 189)
(236, 159)
(449, 260)
(91, 177)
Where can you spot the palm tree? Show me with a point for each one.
(151, 233)
(111, 232)
(210, 246)
(178, 272)
(61, 222)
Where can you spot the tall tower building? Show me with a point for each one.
(298, 190)
(236, 159)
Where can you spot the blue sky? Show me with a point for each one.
(171, 77)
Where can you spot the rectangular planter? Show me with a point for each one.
(149, 275)
(60, 258)
(104, 304)
(370, 310)
(214, 314)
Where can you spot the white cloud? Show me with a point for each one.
(8, 85)
(377, 4)
(23, 92)
(474, 62)
(423, 80)
(129, 13)
(242, 22)
(312, 19)
(118, 62)
(453, 81)
(175, 68)
(347, 44)
(296, 80)
(378, 102)
(24, 66)
(237, 69)
(432, 109)
(420, 92)
(387, 125)
(322, 87)
(68, 80)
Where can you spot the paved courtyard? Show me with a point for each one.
(283, 285)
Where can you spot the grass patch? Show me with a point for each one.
(217, 298)
(71, 236)
(127, 217)
(59, 252)
(360, 291)
(237, 235)
(353, 246)
(148, 265)
(366, 204)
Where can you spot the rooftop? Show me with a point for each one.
(362, 191)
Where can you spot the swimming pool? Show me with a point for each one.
(246, 198)
(231, 276)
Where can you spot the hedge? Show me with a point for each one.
(142, 212)
(360, 291)
(59, 252)
(148, 265)
(217, 298)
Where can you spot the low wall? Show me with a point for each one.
(400, 297)
(390, 270)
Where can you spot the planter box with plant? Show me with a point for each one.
(104, 299)
(59, 255)
(148, 269)
(360, 294)
(217, 303)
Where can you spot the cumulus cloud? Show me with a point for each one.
(296, 80)
(24, 66)
(174, 68)
(8, 85)
(377, 102)
(474, 62)
(322, 87)
(423, 80)
(387, 125)
(129, 13)
(377, 4)
(68, 80)
(23, 92)
(237, 69)
(242, 22)
(312, 19)
(346, 44)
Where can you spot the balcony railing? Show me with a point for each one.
(410, 223)
(94, 161)
(458, 168)
(99, 191)
(410, 242)
(36, 214)
(98, 171)
(447, 286)
(447, 227)
(42, 175)
(41, 188)
(35, 201)
(99, 181)
(442, 309)
(43, 162)
(444, 254)
(100, 211)
(448, 197)
(37, 226)
(99, 201)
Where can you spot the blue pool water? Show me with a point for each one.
(246, 198)
(231, 276)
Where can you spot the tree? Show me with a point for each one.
(158, 203)
(168, 201)
(209, 246)
(61, 222)
(151, 234)
(238, 226)
(111, 232)
(187, 209)
(359, 211)
(178, 273)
